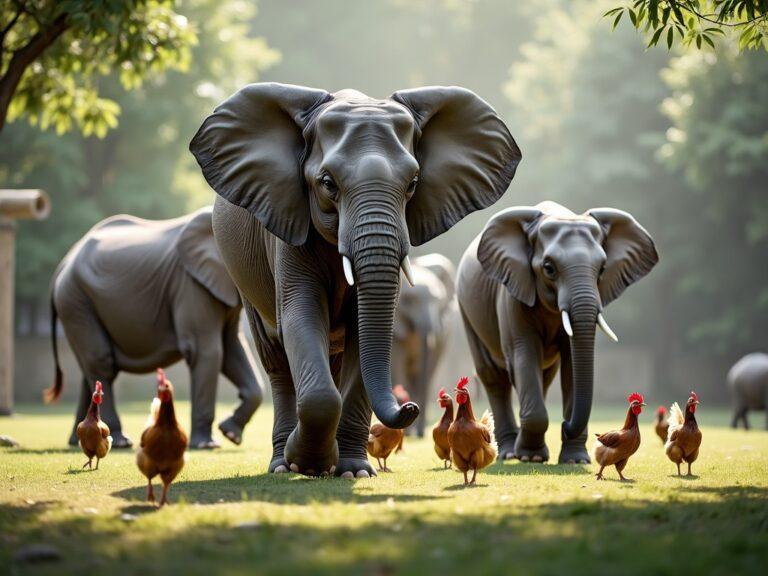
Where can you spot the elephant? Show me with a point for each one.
(422, 327)
(531, 288)
(319, 198)
(134, 295)
(748, 381)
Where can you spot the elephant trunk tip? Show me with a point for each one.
(398, 416)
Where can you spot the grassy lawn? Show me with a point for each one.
(228, 517)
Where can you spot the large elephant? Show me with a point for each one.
(134, 295)
(748, 380)
(320, 197)
(531, 288)
(423, 327)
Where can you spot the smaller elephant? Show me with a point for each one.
(134, 295)
(422, 327)
(748, 380)
(532, 288)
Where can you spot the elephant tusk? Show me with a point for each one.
(567, 324)
(347, 263)
(406, 266)
(605, 328)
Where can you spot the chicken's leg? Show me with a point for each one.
(599, 475)
(474, 475)
(164, 497)
(150, 492)
(465, 478)
(678, 469)
(689, 469)
(378, 461)
(97, 463)
(87, 464)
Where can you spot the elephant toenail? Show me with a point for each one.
(524, 459)
(281, 469)
(294, 468)
(347, 474)
(362, 474)
(509, 455)
(537, 459)
(332, 470)
(571, 461)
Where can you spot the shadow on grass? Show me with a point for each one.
(276, 489)
(727, 534)
(41, 451)
(517, 468)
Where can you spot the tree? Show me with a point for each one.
(54, 53)
(699, 22)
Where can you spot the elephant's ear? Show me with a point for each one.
(441, 267)
(250, 152)
(505, 251)
(630, 252)
(202, 260)
(466, 155)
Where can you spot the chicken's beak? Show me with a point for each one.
(643, 404)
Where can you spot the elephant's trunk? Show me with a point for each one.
(583, 309)
(376, 254)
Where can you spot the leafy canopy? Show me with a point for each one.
(54, 54)
(697, 22)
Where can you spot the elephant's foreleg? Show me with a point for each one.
(528, 376)
(109, 415)
(572, 450)
(354, 426)
(238, 367)
(205, 362)
(498, 386)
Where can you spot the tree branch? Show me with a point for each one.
(23, 57)
(707, 18)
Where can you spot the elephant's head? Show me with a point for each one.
(572, 265)
(370, 176)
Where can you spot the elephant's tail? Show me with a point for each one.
(53, 393)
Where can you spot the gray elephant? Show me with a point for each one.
(134, 295)
(531, 288)
(748, 381)
(422, 327)
(320, 197)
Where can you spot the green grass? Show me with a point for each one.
(520, 519)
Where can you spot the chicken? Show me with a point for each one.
(473, 446)
(92, 433)
(440, 431)
(614, 448)
(382, 441)
(163, 441)
(661, 425)
(684, 436)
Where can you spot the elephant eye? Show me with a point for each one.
(328, 183)
(602, 271)
(412, 185)
(549, 269)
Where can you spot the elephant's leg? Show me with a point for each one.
(311, 448)
(275, 363)
(528, 376)
(355, 422)
(82, 408)
(498, 386)
(205, 362)
(238, 367)
(572, 450)
(92, 347)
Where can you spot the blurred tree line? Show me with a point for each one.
(679, 139)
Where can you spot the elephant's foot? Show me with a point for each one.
(119, 440)
(507, 448)
(203, 441)
(531, 449)
(307, 456)
(278, 465)
(232, 431)
(573, 452)
(354, 468)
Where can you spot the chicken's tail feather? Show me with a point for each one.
(486, 420)
(154, 412)
(675, 420)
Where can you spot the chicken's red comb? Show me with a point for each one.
(441, 393)
(463, 381)
(661, 410)
(160, 376)
(635, 397)
(694, 396)
(99, 387)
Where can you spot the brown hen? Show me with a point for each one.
(440, 431)
(473, 446)
(614, 448)
(92, 433)
(684, 437)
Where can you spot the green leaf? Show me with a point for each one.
(655, 38)
(670, 37)
(618, 18)
(708, 40)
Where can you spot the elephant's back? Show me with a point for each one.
(749, 378)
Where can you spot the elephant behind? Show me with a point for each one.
(423, 327)
(748, 381)
(134, 295)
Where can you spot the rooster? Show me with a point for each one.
(614, 448)
(92, 433)
(163, 441)
(684, 436)
(440, 431)
(473, 446)
(661, 425)
(382, 441)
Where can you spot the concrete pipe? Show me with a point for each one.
(24, 204)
